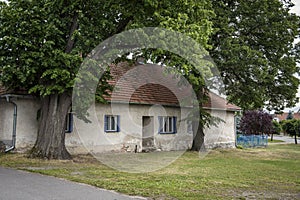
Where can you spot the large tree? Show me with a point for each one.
(254, 51)
(43, 43)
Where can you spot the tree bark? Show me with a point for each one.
(198, 132)
(50, 143)
(74, 26)
(271, 136)
(198, 137)
(296, 139)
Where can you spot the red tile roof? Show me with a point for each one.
(154, 94)
(145, 84)
(218, 102)
(150, 84)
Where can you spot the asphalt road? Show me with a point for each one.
(286, 139)
(21, 185)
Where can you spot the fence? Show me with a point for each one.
(249, 141)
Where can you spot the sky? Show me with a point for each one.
(296, 8)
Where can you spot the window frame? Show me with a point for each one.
(167, 124)
(108, 125)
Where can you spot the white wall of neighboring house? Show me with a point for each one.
(27, 123)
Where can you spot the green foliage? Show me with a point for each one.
(34, 37)
(254, 51)
(43, 43)
(276, 127)
(291, 127)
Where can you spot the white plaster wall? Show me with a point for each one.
(224, 134)
(6, 120)
(96, 139)
(91, 137)
(26, 121)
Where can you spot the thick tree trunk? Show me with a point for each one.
(296, 139)
(50, 141)
(271, 136)
(198, 140)
(198, 132)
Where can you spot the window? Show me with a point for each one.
(167, 125)
(111, 123)
(69, 123)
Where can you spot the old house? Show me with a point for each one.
(147, 110)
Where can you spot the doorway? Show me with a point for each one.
(148, 134)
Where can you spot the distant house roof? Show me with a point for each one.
(150, 84)
(283, 116)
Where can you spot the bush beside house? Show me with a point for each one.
(256, 123)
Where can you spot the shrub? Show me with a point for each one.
(291, 127)
(256, 123)
(276, 127)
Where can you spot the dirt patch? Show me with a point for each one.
(85, 158)
(2, 147)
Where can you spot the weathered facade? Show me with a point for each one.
(143, 114)
(25, 120)
(136, 128)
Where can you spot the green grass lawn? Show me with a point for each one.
(262, 173)
(275, 141)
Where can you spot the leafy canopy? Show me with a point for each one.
(254, 51)
(43, 43)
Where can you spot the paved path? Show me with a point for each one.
(21, 185)
(286, 139)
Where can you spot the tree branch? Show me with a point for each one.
(123, 24)
(70, 43)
